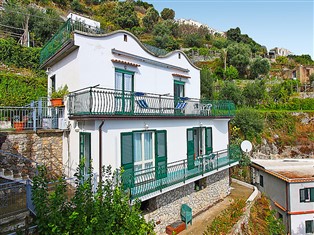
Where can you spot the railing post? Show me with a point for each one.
(184, 169)
(90, 100)
(34, 119)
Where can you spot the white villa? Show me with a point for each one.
(132, 108)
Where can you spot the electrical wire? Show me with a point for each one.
(10, 27)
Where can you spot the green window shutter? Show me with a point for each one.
(302, 195)
(309, 226)
(85, 152)
(190, 148)
(127, 160)
(161, 154)
(312, 194)
(208, 140)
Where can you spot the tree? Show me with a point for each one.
(238, 55)
(150, 18)
(167, 14)
(254, 93)
(207, 84)
(234, 34)
(126, 15)
(42, 25)
(231, 73)
(106, 211)
(259, 67)
(193, 40)
(250, 122)
(230, 92)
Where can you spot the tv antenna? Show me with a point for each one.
(246, 146)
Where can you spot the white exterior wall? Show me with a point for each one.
(298, 223)
(295, 203)
(91, 64)
(112, 129)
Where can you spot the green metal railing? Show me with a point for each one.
(63, 35)
(101, 101)
(145, 181)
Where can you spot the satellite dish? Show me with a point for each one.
(246, 146)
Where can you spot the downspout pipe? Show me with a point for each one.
(288, 209)
(100, 149)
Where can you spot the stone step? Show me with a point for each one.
(12, 223)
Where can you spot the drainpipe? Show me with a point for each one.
(287, 206)
(100, 150)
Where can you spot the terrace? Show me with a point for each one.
(150, 182)
(37, 115)
(97, 102)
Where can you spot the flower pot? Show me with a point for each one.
(18, 125)
(56, 102)
(5, 125)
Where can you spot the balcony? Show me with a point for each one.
(150, 182)
(37, 115)
(63, 35)
(98, 102)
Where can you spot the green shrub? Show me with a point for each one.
(18, 90)
(250, 122)
(12, 53)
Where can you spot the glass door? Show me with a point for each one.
(124, 90)
(178, 92)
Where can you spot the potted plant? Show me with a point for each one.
(17, 123)
(56, 97)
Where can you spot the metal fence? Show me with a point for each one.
(37, 115)
(12, 197)
(153, 179)
(103, 101)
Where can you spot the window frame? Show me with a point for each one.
(261, 181)
(306, 194)
(309, 226)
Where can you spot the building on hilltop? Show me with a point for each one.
(132, 108)
(277, 51)
(289, 183)
(198, 24)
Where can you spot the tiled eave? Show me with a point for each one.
(180, 75)
(125, 62)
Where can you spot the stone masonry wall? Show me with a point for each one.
(43, 147)
(168, 204)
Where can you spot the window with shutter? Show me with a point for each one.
(127, 160)
(85, 152)
(161, 154)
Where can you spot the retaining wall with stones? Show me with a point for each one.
(167, 206)
(43, 147)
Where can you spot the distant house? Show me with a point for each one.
(277, 51)
(133, 108)
(302, 73)
(289, 183)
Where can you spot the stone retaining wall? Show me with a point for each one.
(43, 147)
(168, 204)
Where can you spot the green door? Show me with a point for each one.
(190, 148)
(208, 140)
(161, 154)
(124, 86)
(127, 161)
(85, 153)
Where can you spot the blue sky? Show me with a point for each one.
(282, 23)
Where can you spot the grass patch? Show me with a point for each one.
(224, 222)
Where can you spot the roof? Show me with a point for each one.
(290, 170)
